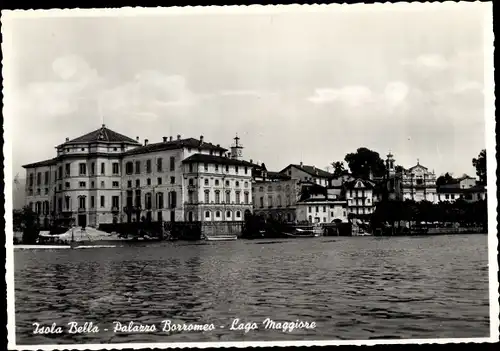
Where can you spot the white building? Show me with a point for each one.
(322, 209)
(306, 173)
(418, 184)
(359, 196)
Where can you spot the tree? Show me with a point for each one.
(338, 169)
(399, 169)
(445, 179)
(30, 225)
(365, 161)
(480, 164)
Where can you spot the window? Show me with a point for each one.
(236, 169)
(228, 197)
(279, 201)
(228, 214)
(46, 191)
(158, 181)
(38, 178)
(148, 166)
(92, 184)
(173, 199)
(217, 214)
(238, 197)
(207, 196)
(60, 172)
(82, 202)
(115, 202)
(246, 170)
(102, 201)
(447, 196)
(217, 196)
(237, 184)
(217, 182)
(317, 208)
(172, 180)
(38, 191)
(205, 166)
(217, 168)
(228, 183)
(137, 183)
(137, 167)
(116, 168)
(159, 200)
(172, 163)
(190, 196)
(103, 168)
(148, 181)
(207, 214)
(159, 165)
(324, 208)
(270, 201)
(67, 185)
(246, 198)
(116, 184)
(102, 184)
(82, 184)
(92, 202)
(31, 179)
(148, 201)
(46, 180)
(227, 168)
(129, 184)
(190, 168)
(246, 184)
(129, 167)
(82, 167)
(238, 214)
(261, 189)
(191, 181)
(261, 201)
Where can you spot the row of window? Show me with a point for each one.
(217, 195)
(135, 167)
(159, 181)
(217, 182)
(82, 202)
(137, 201)
(217, 168)
(278, 188)
(208, 214)
(270, 201)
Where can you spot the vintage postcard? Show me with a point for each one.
(249, 176)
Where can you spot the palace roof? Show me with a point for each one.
(202, 158)
(45, 163)
(102, 134)
(311, 170)
(175, 144)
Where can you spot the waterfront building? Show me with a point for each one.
(322, 209)
(106, 177)
(275, 196)
(418, 184)
(390, 184)
(359, 196)
(306, 173)
(453, 192)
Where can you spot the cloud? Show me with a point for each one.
(432, 61)
(351, 95)
(395, 93)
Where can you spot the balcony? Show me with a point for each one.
(82, 209)
(115, 209)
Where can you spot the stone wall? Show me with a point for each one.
(221, 228)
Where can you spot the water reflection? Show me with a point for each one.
(353, 288)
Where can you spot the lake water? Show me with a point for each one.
(351, 287)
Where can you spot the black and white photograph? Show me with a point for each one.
(250, 175)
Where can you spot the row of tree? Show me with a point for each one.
(364, 162)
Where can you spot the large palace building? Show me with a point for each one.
(106, 177)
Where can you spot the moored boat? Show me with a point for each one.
(221, 237)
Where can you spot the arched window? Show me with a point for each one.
(217, 214)
(237, 183)
(217, 196)
(207, 214)
(228, 197)
(207, 196)
(246, 184)
(206, 182)
(148, 201)
(238, 214)
(228, 215)
(246, 197)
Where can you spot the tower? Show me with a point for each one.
(389, 164)
(236, 148)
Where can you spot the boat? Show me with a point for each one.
(221, 238)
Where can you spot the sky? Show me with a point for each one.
(295, 86)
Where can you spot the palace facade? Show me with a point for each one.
(106, 177)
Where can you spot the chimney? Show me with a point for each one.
(164, 139)
(251, 161)
(301, 164)
(137, 138)
(201, 139)
(218, 145)
(178, 137)
(67, 139)
(146, 142)
(171, 138)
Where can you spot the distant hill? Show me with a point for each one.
(18, 194)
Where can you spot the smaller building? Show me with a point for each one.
(359, 196)
(453, 192)
(306, 173)
(322, 209)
